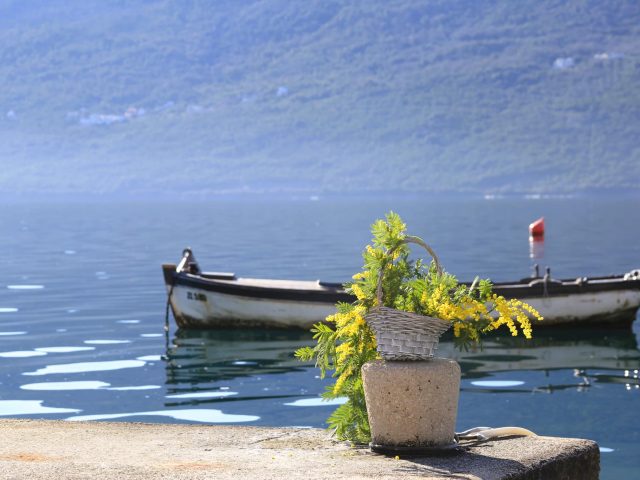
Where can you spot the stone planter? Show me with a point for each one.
(412, 406)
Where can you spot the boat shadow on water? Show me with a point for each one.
(201, 358)
(195, 356)
(593, 355)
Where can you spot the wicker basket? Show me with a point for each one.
(405, 335)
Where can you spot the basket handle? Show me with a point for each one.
(407, 239)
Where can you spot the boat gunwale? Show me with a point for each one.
(317, 292)
(324, 294)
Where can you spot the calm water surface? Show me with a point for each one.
(82, 309)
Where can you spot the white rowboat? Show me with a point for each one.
(221, 300)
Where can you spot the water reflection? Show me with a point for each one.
(212, 355)
(536, 248)
(568, 358)
(560, 348)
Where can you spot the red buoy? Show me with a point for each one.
(536, 229)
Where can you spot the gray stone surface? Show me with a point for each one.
(412, 403)
(40, 449)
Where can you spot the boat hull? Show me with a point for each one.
(201, 303)
(615, 306)
(199, 308)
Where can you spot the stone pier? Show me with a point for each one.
(45, 449)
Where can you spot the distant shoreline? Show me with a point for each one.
(294, 195)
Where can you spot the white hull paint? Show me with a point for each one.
(585, 307)
(220, 309)
(199, 308)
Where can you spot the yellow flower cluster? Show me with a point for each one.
(439, 304)
(344, 376)
(464, 316)
(511, 311)
(470, 315)
(348, 323)
(343, 351)
(356, 287)
(355, 337)
(358, 292)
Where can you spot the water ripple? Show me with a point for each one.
(189, 415)
(83, 367)
(106, 342)
(22, 354)
(50, 386)
(497, 383)
(29, 407)
(64, 349)
(202, 395)
(317, 402)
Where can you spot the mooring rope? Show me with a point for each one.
(166, 322)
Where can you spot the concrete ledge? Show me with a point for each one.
(42, 449)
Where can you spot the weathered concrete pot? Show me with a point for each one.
(412, 406)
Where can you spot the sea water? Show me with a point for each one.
(82, 306)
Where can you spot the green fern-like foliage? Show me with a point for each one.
(345, 342)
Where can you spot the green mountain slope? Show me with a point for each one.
(278, 95)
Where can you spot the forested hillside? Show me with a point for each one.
(205, 97)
